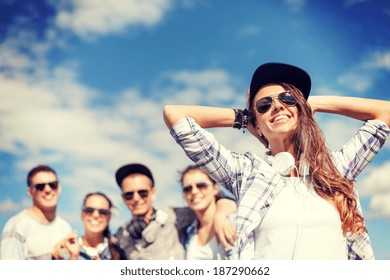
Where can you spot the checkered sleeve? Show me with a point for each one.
(362, 148)
(204, 150)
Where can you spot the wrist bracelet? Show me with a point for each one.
(241, 118)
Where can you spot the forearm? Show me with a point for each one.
(226, 207)
(205, 116)
(224, 227)
(354, 107)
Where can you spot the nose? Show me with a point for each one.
(47, 188)
(194, 189)
(95, 213)
(136, 196)
(276, 105)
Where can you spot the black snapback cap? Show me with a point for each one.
(274, 72)
(133, 168)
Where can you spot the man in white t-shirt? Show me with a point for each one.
(32, 233)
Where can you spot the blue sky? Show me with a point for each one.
(83, 84)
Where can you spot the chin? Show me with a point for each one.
(140, 212)
(50, 207)
(198, 207)
(96, 230)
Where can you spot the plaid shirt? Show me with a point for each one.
(255, 184)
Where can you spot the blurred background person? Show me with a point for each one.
(200, 192)
(32, 233)
(97, 242)
(151, 233)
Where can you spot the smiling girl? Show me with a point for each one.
(298, 201)
(200, 192)
(97, 242)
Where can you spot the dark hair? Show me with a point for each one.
(192, 168)
(37, 169)
(116, 253)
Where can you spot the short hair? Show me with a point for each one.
(37, 169)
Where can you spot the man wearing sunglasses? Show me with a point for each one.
(32, 233)
(152, 233)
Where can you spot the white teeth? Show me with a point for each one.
(280, 118)
(196, 199)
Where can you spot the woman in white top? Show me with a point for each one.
(200, 193)
(299, 201)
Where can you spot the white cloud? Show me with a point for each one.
(10, 58)
(378, 61)
(363, 75)
(338, 130)
(376, 182)
(8, 206)
(99, 17)
(380, 206)
(22, 52)
(357, 81)
(206, 87)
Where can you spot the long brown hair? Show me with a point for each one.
(309, 146)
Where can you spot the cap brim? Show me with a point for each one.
(275, 72)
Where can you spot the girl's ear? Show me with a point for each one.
(261, 137)
(215, 189)
(258, 130)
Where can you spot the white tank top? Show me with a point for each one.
(209, 251)
(300, 225)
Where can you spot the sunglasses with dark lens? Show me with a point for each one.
(263, 104)
(130, 195)
(199, 186)
(90, 210)
(41, 186)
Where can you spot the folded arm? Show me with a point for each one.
(205, 116)
(354, 107)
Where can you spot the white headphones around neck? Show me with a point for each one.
(283, 162)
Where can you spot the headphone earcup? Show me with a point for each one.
(283, 162)
(136, 227)
(268, 158)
